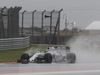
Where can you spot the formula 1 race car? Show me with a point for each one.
(54, 54)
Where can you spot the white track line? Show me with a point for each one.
(58, 73)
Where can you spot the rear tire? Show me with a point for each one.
(71, 58)
(48, 58)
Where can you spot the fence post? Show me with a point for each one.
(42, 26)
(16, 21)
(51, 26)
(8, 28)
(33, 24)
(23, 21)
(19, 8)
(2, 24)
(59, 27)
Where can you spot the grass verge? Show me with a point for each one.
(14, 55)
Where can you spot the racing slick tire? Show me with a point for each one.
(48, 58)
(71, 58)
(24, 58)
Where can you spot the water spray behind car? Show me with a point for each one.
(32, 50)
(86, 48)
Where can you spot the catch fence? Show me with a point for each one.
(43, 27)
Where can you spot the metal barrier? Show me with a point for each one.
(14, 43)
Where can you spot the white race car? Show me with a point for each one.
(54, 54)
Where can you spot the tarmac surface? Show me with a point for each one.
(50, 69)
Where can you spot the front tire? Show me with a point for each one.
(48, 58)
(24, 58)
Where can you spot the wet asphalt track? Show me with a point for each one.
(50, 69)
